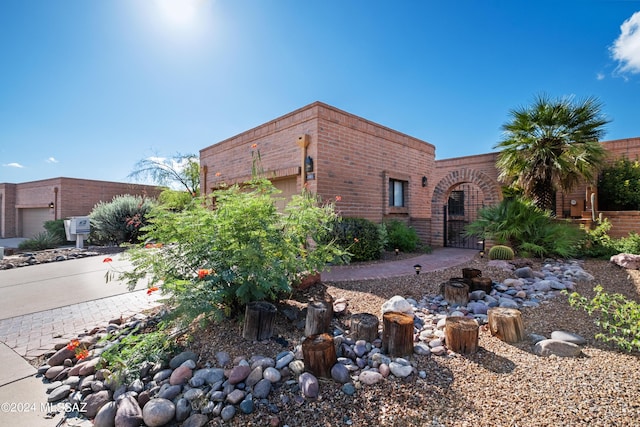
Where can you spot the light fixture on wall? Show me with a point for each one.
(308, 164)
(51, 205)
(424, 181)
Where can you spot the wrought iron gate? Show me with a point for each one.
(461, 210)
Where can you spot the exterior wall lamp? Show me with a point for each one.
(52, 205)
(308, 164)
(424, 181)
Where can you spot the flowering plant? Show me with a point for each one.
(81, 352)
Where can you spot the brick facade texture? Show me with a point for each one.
(70, 196)
(355, 158)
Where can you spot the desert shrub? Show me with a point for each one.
(214, 261)
(175, 200)
(618, 316)
(41, 241)
(598, 243)
(531, 231)
(501, 252)
(363, 239)
(56, 228)
(121, 220)
(619, 186)
(629, 244)
(401, 236)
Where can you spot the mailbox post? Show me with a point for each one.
(77, 228)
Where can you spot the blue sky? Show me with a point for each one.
(88, 88)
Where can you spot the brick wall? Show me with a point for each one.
(7, 210)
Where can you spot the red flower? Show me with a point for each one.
(73, 344)
(107, 259)
(218, 174)
(148, 246)
(338, 198)
(355, 239)
(82, 353)
(152, 290)
(204, 272)
(254, 146)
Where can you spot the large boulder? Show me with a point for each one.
(629, 261)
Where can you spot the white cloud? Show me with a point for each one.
(14, 165)
(626, 48)
(52, 160)
(600, 76)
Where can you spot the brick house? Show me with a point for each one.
(379, 173)
(26, 206)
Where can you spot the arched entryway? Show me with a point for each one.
(455, 203)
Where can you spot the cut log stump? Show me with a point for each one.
(470, 273)
(319, 315)
(456, 292)
(397, 334)
(319, 354)
(461, 334)
(481, 284)
(258, 320)
(506, 324)
(364, 326)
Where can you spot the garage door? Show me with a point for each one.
(32, 220)
(289, 187)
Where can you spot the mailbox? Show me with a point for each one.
(79, 225)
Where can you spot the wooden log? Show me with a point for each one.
(258, 320)
(461, 334)
(364, 326)
(319, 354)
(319, 315)
(481, 284)
(470, 273)
(456, 292)
(506, 324)
(397, 334)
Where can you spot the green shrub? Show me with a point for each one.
(598, 243)
(363, 239)
(528, 229)
(40, 241)
(121, 220)
(617, 315)
(214, 261)
(619, 186)
(56, 228)
(628, 245)
(401, 236)
(175, 200)
(501, 252)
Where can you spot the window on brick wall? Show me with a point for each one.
(397, 193)
(456, 203)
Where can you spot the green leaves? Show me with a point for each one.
(618, 316)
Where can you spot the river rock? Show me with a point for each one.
(106, 416)
(129, 413)
(309, 385)
(158, 412)
(629, 261)
(181, 358)
(59, 393)
(180, 375)
(95, 401)
(370, 377)
(398, 304)
(262, 389)
(568, 337)
(60, 356)
(556, 347)
(196, 420)
(239, 373)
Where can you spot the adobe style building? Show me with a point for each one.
(26, 206)
(374, 172)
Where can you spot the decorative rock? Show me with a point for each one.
(193, 394)
(128, 413)
(95, 401)
(196, 420)
(106, 416)
(59, 357)
(246, 406)
(162, 375)
(262, 389)
(398, 304)
(228, 412)
(239, 373)
(54, 371)
(438, 351)
(340, 373)
(180, 375)
(158, 412)
(89, 367)
(181, 358)
(400, 370)
(296, 367)
(283, 359)
(624, 260)
(183, 409)
(422, 349)
(223, 358)
(169, 392)
(507, 303)
(524, 273)
(556, 347)
(59, 393)
(235, 396)
(272, 374)
(255, 376)
(568, 337)
(370, 377)
(309, 385)
(536, 338)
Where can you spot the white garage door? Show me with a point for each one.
(289, 187)
(33, 220)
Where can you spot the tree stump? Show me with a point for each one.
(364, 326)
(319, 354)
(470, 273)
(481, 284)
(397, 334)
(506, 324)
(456, 292)
(319, 315)
(258, 320)
(461, 334)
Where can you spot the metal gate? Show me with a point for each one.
(461, 210)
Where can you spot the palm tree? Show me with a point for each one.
(552, 145)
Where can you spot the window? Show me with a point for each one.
(456, 203)
(397, 191)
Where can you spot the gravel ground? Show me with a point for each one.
(501, 385)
